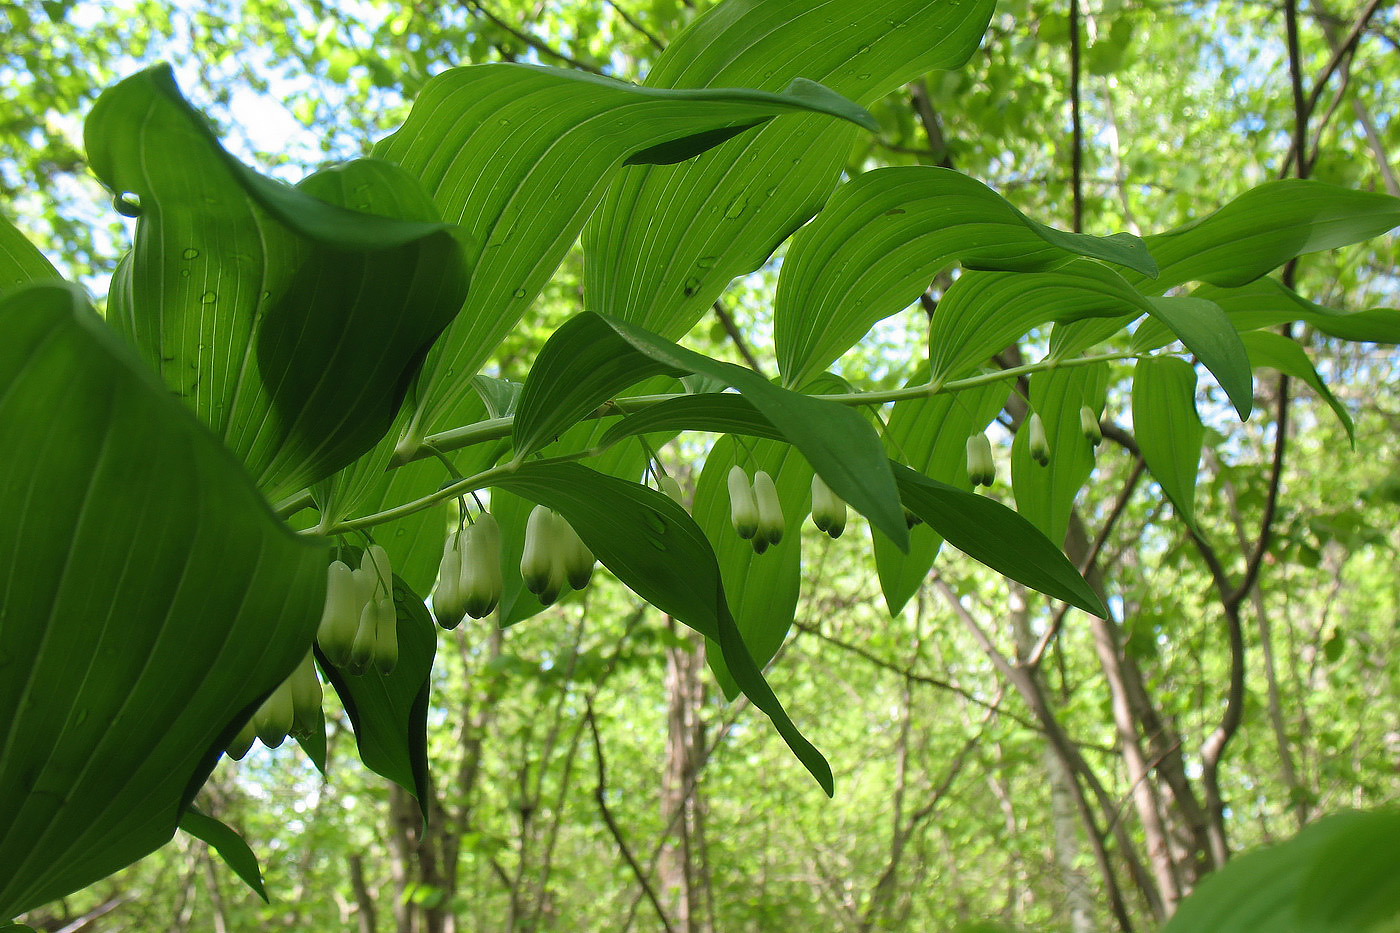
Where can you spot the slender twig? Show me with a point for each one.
(630, 21)
(1119, 507)
(726, 320)
(1303, 108)
(600, 794)
(1076, 155)
(533, 41)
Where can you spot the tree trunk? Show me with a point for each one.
(680, 869)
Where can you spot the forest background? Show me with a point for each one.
(589, 774)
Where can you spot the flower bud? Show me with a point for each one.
(386, 635)
(1089, 424)
(828, 510)
(743, 509)
(770, 508)
(341, 615)
(306, 698)
(1039, 443)
(243, 740)
(362, 650)
(481, 583)
(671, 487)
(273, 720)
(375, 563)
(449, 604)
(981, 468)
(578, 560)
(542, 571)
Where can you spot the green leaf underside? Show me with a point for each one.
(1285, 355)
(1266, 302)
(837, 441)
(657, 550)
(988, 531)
(881, 239)
(1336, 876)
(1164, 405)
(929, 435)
(984, 312)
(389, 712)
(230, 846)
(1206, 331)
(762, 589)
(166, 596)
(667, 240)
(20, 260)
(715, 412)
(291, 324)
(1045, 494)
(584, 363)
(1264, 228)
(518, 155)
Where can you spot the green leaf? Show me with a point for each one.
(667, 240)
(930, 435)
(657, 550)
(988, 531)
(1264, 228)
(1351, 883)
(389, 712)
(836, 440)
(762, 589)
(1168, 431)
(519, 156)
(1266, 302)
(20, 260)
(984, 312)
(292, 325)
(1204, 329)
(718, 413)
(1285, 355)
(1045, 494)
(1336, 876)
(582, 364)
(149, 600)
(883, 237)
(231, 847)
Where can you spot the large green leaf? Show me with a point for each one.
(762, 588)
(291, 323)
(929, 435)
(1336, 876)
(1168, 431)
(148, 600)
(881, 239)
(1285, 355)
(1266, 302)
(988, 531)
(1264, 228)
(518, 156)
(667, 240)
(389, 712)
(716, 412)
(656, 549)
(20, 260)
(1205, 330)
(1045, 494)
(582, 364)
(984, 312)
(836, 440)
(231, 847)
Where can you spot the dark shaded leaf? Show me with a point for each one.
(150, 599)
(231, 847)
